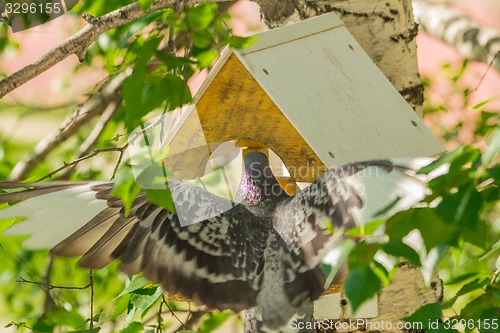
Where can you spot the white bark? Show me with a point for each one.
(471, 39)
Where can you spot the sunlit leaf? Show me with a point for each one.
(364, 230)
(144, 299)
(481, 104)
(138, 282)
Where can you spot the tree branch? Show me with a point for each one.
(79, 42)
(94, 135)
(470, 38)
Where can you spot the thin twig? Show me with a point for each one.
(163, 299)
(484, 74)
(94, 135)
(52, 286)
(83, 158)
(159, 317)
(48, 301)
(91, 284)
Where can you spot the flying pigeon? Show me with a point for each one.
(264, 252)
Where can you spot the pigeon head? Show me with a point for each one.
(258, 183)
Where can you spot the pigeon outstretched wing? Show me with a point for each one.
(344, 197)
(205, 261)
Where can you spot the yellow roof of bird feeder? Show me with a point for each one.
(307, 91)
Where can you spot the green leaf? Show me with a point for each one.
(461, 208)
(493, 249)
(206, 58)
(487, 301)
(237, 42)
(6, 224)
(214, 321)
(177, 91)
(469, 155)
(144, 299)
(125, 187)
(202, 39)
(479, 235)
(362, 254)
(143, 94)
(361, 285)
(121, 307)
(138, 282)
(461, 278)
(425, 314)
(145, 4)
(200, 17)
(68, 318)
(172, 61)
(472, 286)
(399, 249)
(364, 230)
(146, 53)
(383, 274)
(133, 327)
(161, 198)
(443, 159)
(481, 104)
(433, 229)
(493, 149)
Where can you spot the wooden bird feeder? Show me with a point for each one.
(310, 93)
(307, 91)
